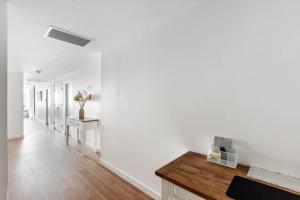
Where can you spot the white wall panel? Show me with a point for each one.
(3, 100)
(226, 68)
(15, 106)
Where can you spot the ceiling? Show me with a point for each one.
(108, 22)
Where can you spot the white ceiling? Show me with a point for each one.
(109, 22)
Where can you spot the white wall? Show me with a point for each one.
(227, 68)
(31, 101)
(15, 105)
(40, 105)
(29, 95)
(3, 100)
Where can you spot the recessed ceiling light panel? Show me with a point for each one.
(66, 36)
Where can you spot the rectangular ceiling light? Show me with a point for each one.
(65, 36)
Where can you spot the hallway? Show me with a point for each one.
(41, 167)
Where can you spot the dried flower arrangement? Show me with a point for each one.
(82, 97)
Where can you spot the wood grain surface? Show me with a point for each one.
(192, 172)
(42, 167)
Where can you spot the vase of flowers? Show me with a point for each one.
(81, 113)
(82, 97)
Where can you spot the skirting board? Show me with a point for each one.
(91, 146)
(15, 137)
(131, 180)
(39, 120)
(51, 127)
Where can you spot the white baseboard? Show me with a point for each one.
(51, 127)
(15, 137)
(59, 130)
(131, 180)
(91, 146)
(40, 120)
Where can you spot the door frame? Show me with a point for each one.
(47, 105)
(67, 96)
(57, 127)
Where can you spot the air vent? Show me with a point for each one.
(65, 36)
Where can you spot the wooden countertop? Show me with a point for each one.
(194, 173)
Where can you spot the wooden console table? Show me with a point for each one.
(81, 125)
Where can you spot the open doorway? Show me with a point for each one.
(26, 102)
(29, 101)
(68, 100)
(59, 107)
(47, 106)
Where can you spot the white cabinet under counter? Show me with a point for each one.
(171, 191)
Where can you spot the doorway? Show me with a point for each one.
(58, 107)
(68, 100)
(47, 106)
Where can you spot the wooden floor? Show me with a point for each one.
(41, 167)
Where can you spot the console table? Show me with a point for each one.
(82, 125)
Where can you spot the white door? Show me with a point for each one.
(47, 106)
(68, 100)
(59, 107)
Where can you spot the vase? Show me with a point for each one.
(81, 113)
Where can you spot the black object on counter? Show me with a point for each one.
(223, 149)
(246, 189)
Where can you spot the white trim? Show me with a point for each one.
(51, 127)
(15, 137)
(39, 120)
(91, 146)
(59, 130)
(131, 180)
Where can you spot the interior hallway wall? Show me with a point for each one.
(15, 105)
(3, 99)
(226, 68)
